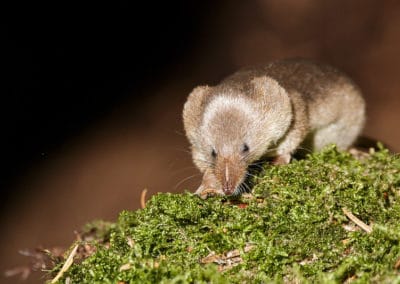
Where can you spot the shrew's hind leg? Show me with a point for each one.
(342, 132)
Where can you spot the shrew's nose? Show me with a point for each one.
(228, 186)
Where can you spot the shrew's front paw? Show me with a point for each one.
(204, 193)
(209, 187)
(282, 159)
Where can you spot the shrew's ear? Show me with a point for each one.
(269, 93)
(193, 110)
(275, 104)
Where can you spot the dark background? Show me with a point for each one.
(93, 94)
(67, 66)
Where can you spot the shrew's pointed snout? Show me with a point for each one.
(227, 186)
(230, 173)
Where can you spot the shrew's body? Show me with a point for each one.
(269, 111)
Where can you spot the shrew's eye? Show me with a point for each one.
(245, 148)
(213, 153)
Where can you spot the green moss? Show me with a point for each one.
(294, 223)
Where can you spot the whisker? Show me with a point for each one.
(208, 163)
(188, 151)
(271, 150)
(183, 169)
(258, 165)
(240, 189)
(186, 179)
(251, 175)
(243, 188)
(179, 133)
(266, 153)
(246, 186)
(308, 150)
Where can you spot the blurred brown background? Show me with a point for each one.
(131, 136)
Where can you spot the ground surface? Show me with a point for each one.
(331, 218)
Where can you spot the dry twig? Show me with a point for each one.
(397, 265)
(66, 265)
(358, 222)
(143, 198)
(226, 260)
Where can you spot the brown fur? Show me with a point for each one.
(270, 110)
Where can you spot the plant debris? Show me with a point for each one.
(68, 262)
(143, 198)
(360, 223)
(226, 260)
(298, 226)
(40, 260)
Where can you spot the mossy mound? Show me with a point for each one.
(292, 229)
